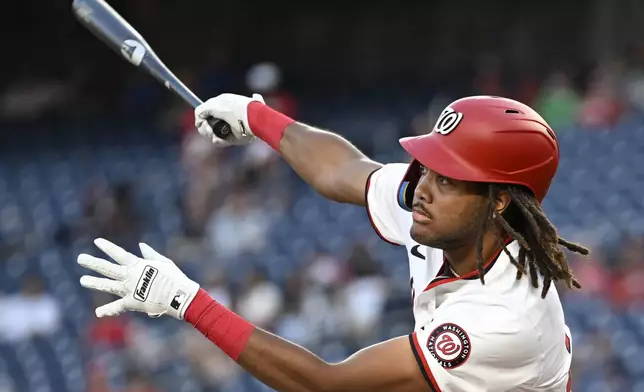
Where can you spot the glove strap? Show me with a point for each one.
(267, 124)
(220, 325)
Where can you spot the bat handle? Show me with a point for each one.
(220, 128)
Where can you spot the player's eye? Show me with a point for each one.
(423, 170)
(443, 180)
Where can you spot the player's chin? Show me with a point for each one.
(422, 233)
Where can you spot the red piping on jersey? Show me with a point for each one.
(472, 275)
(425, 369)
(366, 201)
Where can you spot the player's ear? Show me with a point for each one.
(502, 202)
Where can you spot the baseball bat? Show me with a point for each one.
(111, 28)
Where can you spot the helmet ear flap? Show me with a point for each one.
(408, 185)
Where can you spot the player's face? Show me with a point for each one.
(447, 213)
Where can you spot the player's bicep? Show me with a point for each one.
(387, 212)
(351, 181)
(384, 367)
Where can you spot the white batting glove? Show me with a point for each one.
(152, 284)
(231, 108)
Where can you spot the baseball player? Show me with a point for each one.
(482, 255)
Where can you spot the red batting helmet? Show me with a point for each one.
(486, 139)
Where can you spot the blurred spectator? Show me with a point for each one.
(260, 300)
(147, 346)
(259, 156)
(528, 87)
(179, 115)
(602, 106)
(97, 381)
(293, 324)
(266, 79)
(321, 302)
(627, 285)
(137, 382)
(214, 282)
(109, 212)
(34, 97)
(124, 220)
(261, 173)
(364, 295)
(240, 225)
(592, 273)
(213, 368)
(32, 312)
(202, 164)
(594, 364)
(107, 333)
(324, 270)
(558, 102)
(96, 206)
(200, 160)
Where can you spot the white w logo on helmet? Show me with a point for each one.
(447, 121)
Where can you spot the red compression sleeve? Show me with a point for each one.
(220, 325)
(267, 124)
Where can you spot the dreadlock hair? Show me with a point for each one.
(541, 247)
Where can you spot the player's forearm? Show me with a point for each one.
(278, 363)
(329, 163)
(285, 366)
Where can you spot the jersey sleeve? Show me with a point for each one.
(474, 348)
(387, 213)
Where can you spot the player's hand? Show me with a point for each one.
(152, 284)
(231, 108)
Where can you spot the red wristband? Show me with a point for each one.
(267, 124)
(220, 325)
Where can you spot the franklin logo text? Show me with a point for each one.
(145, 281)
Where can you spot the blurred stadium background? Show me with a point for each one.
(91, 147)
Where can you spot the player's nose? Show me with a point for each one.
(423, 191)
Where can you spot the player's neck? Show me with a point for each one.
(463, 259)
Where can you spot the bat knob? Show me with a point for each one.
(220, 128)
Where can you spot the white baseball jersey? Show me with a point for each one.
(470, 337)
